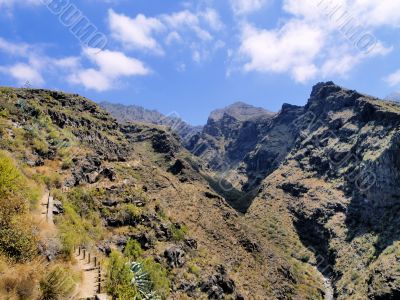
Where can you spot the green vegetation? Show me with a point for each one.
(119, 278)
(158, 276)
(133, 250)
(178, 232)
(57, 284)
(76, 230)
(17, 239)
(142, 279)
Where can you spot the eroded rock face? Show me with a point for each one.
(246, 144)
(339, 182)
(218, 285)
(175, 257)
(89, 170)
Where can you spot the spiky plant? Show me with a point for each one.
(142, 283)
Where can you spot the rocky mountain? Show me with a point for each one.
(134, 113)
(245, 144)
(299, 204)
(329, 175)
(127, 193)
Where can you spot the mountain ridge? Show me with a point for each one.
(260, 208)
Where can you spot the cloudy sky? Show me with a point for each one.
(190, 57)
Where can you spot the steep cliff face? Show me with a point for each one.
(338, 186)
(229, 134)
(243, 144)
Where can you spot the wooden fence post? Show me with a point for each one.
(99, 287)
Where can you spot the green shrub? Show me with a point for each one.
(133, 250)
(158, 275)
(57, 284)
(194, 269)
(119, 278)
(67, 163)
(17, 239)
(179, 232)
(129, 214)
(52, 180)
(4, 113)
(11, 179)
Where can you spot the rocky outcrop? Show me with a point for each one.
(133, 113)
(175, 257)
(219, 285)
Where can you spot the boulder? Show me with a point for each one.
(218, 284)
(58, 207)
(175, 257)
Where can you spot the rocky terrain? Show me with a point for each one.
(134, 113)
(299, 204)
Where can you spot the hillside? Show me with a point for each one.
(134, 113)
(303, 205)
(327, 174)
(128, 193)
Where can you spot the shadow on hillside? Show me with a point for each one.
(237, 199)
(378, 217)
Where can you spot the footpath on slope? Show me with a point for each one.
(86, 264)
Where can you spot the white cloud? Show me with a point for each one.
(292, 49)
(211, 17)
(393, 79)
(13, 48)
(242, 7)
(187, 21)
(24, 73)
(313, 42)
(92, 79)
(173, 37)
(115, 63)
(111, 66)
(29, 63)
(136, 33)
(368, 13)
(10, 3)
(193, 30)
(377, 13)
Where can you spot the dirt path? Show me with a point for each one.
(45, 218)
(90, 276)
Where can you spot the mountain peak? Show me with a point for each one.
(240, 111)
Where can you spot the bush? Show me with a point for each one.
(119, 278)
(11, 179)
(178, 232)
(158, 275)
(40, 146)
(133, 250)
(67, 163)
(17, 240)
(75, 230)
(57, 284)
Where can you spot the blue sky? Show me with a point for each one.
(190, 57)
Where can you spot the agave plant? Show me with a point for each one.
(142, 283)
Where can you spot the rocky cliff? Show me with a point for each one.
(329, 172)
(134, 113)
